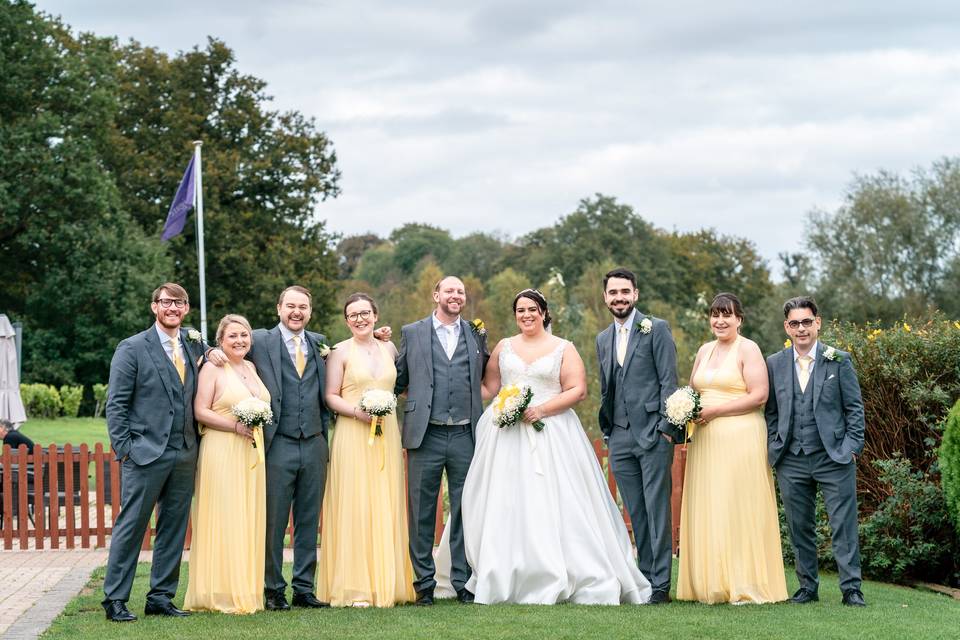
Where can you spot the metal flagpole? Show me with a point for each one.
(198, 195)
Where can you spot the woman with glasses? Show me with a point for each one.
(729, 531)
(364, 557)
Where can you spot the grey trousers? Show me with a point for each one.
(798, 477)
(449, 448)
(645, 482)
(296, 475)
(166, 483)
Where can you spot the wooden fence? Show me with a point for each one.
(79, 493)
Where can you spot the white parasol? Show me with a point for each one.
(11, 406)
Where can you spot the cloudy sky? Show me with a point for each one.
(741, 116)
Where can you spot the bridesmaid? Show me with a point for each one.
(229, 512)
(364, 558)
(729, 530)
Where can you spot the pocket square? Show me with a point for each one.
(832, 375)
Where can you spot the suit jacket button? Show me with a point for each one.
(171, 413)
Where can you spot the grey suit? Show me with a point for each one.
(296, 450)
(433, 447)
(631, 417)
(812, 437)
(152, 430)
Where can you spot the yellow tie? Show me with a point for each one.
(804, 377)
(300, 360)
(178, 360)
(622, 343)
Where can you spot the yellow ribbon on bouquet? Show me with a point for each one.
(376, 421)
(258, 443)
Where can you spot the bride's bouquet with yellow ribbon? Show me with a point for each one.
(509, 405)
(377, 403)
(254, 414)
(682, 408)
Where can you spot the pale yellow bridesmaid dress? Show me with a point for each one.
(729, 530)
(364, 550)
(229, 514)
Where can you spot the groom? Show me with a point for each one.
(815, 432)
(638, 372)
(440, 365)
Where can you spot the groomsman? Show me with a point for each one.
(150, 421)
(288, 361)
(815, 432)
(638, 372)
(440, 365)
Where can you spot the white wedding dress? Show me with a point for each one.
(540, 525)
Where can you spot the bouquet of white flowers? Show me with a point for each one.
(509, 405)
(682, 408)
(253, 413)
(377, 403)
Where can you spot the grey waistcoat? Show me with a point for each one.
(300, 415)
(451, 383)
(620, 416)
(804, 435)
(182, 431)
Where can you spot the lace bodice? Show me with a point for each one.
(542, 375)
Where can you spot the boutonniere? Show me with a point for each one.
(323, 349)
(645, 326)
(478, 327)
(831, 354)
(193, 336)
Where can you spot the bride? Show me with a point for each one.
(540, 525)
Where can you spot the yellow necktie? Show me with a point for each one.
(178, 360)
(622, 343)
(300, 360)
(804, 376)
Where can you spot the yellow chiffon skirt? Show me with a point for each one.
(229, 527)
(729, 530)
(364, 550)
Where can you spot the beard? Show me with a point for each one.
(169, 323)
(620, 314)
(445, 307)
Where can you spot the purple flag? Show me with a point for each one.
(182, 203)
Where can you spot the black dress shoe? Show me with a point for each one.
(309, 601)
(659, 597)
(464, 596)
(803, 596)
(424, 598)
(853, 598)
(166, 609)
(117, 611)
(275, 601)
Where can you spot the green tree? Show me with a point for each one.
(477, 254)
(264, 173)
(414, 241)
(889, 248)
(351, 248)
(77, 270)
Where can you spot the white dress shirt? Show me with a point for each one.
(627, 322)
(812, 353)
(448, 334)
(167, 343)
(291, 345)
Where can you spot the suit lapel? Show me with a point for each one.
(191, 361)
(472, 350)
(633, 338)
(819, 374)
(784, 383)
(275, 349)
(425, 333)
(607, 347)
(164, 367)
(313, 340)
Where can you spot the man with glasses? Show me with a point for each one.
(150, 421)
(815, 428)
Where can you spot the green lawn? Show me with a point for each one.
(893, 612)
(75, 431)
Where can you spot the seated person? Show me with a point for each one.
(13, 437)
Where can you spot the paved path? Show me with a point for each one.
(35, 586)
